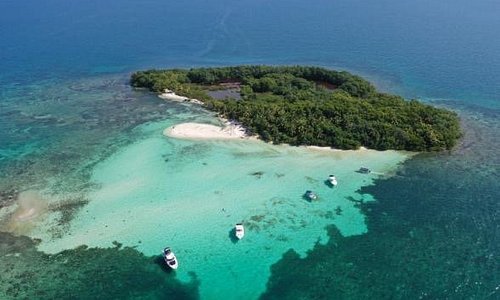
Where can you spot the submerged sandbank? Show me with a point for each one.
(188, 196)
(30, 206)
(206, 131)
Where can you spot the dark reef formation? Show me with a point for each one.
(85, 273)
(433, 233)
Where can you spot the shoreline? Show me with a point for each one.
(320, 148)
(170, 95)
(235, 131)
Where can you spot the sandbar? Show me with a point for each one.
(206, 131)
(318, 148)
(170, 95)
(30, 207)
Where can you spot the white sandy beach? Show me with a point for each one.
(206, 131)
(170, 95)
(232, 130)
(318, 148)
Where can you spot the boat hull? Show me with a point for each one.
(239, 231)
(170, 259)
(172, 264)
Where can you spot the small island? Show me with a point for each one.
(313, 106)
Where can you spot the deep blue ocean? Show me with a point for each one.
(438, 49)
(433, 234)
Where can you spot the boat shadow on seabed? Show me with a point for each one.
(159, 260)
(232, 236)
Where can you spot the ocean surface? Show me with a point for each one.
(91, 191)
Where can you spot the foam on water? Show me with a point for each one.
(188, 195)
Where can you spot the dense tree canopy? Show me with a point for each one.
(302, 105)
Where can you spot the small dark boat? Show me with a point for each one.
(310, 195)
(364, 170)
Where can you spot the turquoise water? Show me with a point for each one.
(86, 152)
(188, 195)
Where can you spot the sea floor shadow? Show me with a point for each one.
(363, 172)
(232, 236)
(161, 262)
(309, 199)
(328, 183)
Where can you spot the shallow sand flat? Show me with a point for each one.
(205, 131)
(189, 194)
(30, 207)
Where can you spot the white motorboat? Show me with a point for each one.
(170, 259)
(310, 195)
(239, 231)
(332, 180)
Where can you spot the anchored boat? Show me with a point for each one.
(332, 180)
(170, 259)
(311, 195)
(364, 170)
(239, 231)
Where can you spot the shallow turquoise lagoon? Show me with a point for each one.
(71, 130)
(188, 195)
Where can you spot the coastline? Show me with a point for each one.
(235, 131)
(319, 148)
(170, 95)
(387, 126)
(232, 130)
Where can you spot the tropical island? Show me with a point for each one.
(303, 105)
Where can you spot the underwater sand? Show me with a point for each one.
(161, 191)
(22, 217)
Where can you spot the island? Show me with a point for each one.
(307, 105)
